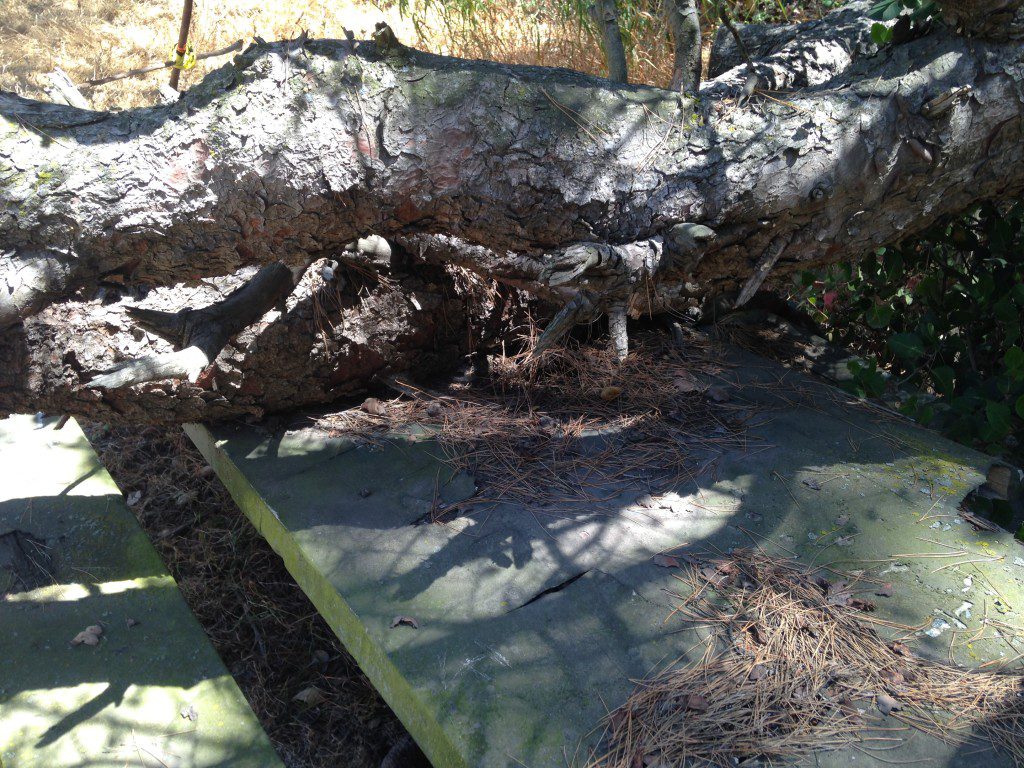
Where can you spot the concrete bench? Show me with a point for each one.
(502, 638)
(144, 687)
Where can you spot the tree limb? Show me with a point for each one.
(684, 23)
(606, 18)
(200, 334)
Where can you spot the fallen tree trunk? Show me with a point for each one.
(629, 198)
(328, 340)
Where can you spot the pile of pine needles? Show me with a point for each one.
(573, 424)
(791, 666)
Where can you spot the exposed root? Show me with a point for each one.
(580, 309)
(764, 266)
(185, 364)
(200, 334)
(617, 330)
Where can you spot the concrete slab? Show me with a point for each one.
(532, 625)
(152, 692)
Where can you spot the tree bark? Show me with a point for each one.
(544, 179)
(684, 23)
(606, 19)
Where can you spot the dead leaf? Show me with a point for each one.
(409, 621)
(696, 702)
(758, 672)
(887, 704)
(134, 498)
(842, 520)
(610, 393)
(310, 696)
(900, 649)
(88, 636)
(718, 393)
(665, 561)
(130, 622)
(373, 406)
(844, 541)
(885, 590)
(686, 384)
(893, 676)
(320, 656)
(859, 604)
(713, 576)
(435, 409)
(812, 484)
(189, 712)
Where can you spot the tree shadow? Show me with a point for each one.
(532, 625)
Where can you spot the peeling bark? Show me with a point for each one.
(544, 179)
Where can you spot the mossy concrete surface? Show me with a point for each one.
(152, 691)
(532, 623)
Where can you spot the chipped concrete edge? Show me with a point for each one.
(372, 659)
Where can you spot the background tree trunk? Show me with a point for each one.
(544, 179)
(684, 22)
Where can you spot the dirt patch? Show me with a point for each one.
(269, 635)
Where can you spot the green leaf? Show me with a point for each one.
(907, 346)
(878, 10)
(1020, 406)
(879, 316)
(998, 415)
(1005, 310)
(1014, 361)
(880, 34)
(944, 378)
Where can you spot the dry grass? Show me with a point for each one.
(90, 39)
(269, 635)
(521, 432)
(95, 38)
(791, 665)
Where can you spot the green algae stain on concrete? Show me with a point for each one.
(152, 691)
(532, 625)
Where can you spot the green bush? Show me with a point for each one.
(938, 321)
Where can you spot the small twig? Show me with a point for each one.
(235, 46)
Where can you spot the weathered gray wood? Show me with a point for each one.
(63, 91)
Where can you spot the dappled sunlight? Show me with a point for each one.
(536, 617)
(102, 656)
(136, 725)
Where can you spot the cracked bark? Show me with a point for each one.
(541, 178)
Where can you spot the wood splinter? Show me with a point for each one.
(764, 266)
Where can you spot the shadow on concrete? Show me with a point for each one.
(533, 623)
(152, 690)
